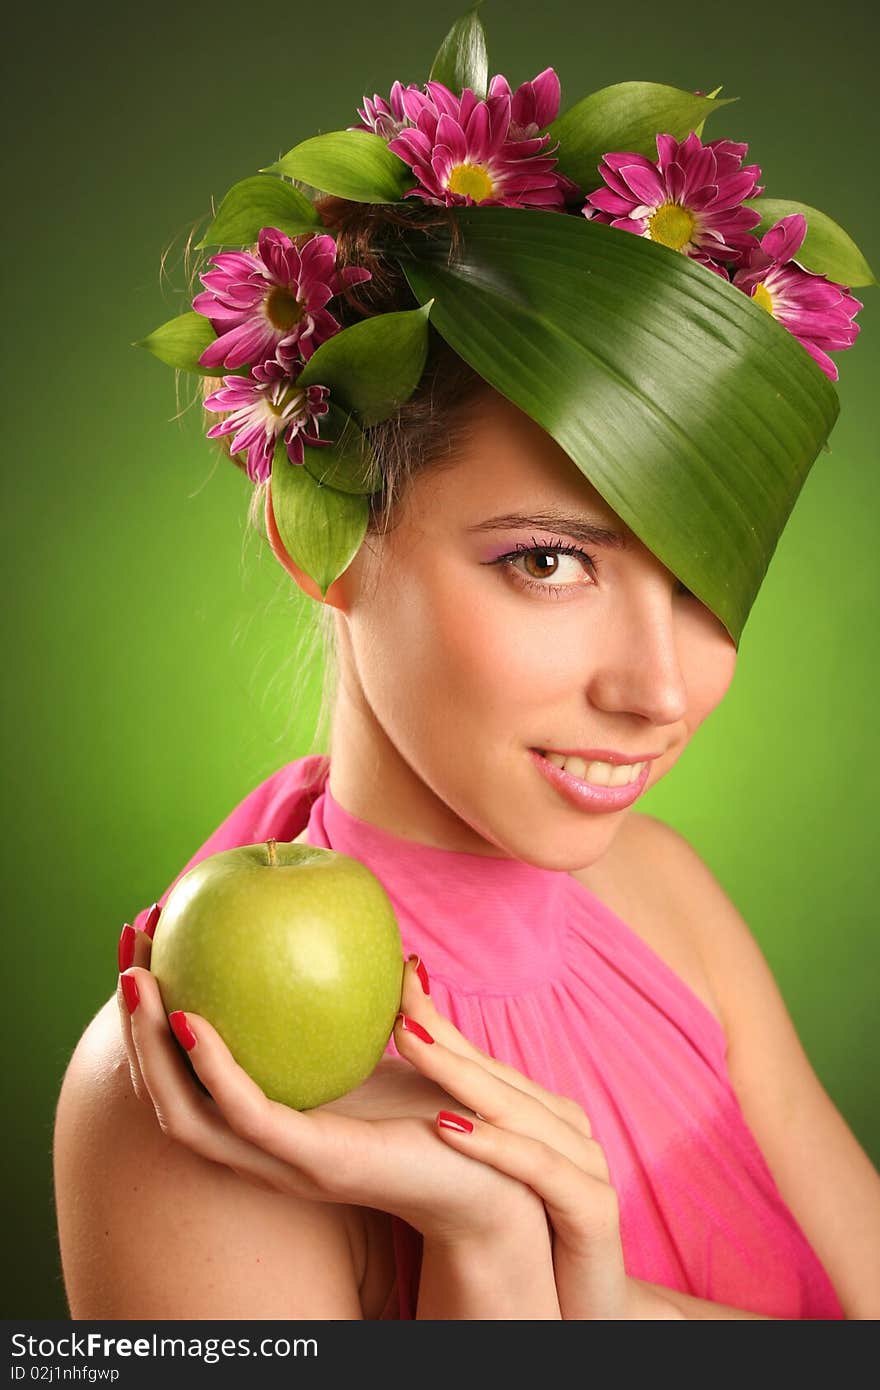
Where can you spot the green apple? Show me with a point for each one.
(293, 953)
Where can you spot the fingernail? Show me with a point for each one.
(410, 1026)
(422, 973)
(446, 1119)
(130, 992)
(125, 950)
(152, 920)
(182, 1031)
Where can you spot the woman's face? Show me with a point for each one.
(460, 651)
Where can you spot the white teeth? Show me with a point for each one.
(601, 774)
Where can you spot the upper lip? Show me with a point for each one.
(602, 755)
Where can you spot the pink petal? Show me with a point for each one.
(618, 159)
(498, 86)
(249, 342)
(824, 361)
(785, 237)
(411, 146)
(675, 181)
(645, 182)
(631, 224)
(610, 202)
(451, 135)
(667, 149)
(614, 181)
(700, 168)
(732, 189)
(443, 98)
(467, 102)
(479, 134)
(537, 102)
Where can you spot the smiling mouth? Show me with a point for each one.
(596, 772)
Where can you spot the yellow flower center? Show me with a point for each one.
(672, 225)
(292, 396)
(763, 297)
(283, 309)
(471, 179)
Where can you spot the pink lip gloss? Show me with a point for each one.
(586, 796)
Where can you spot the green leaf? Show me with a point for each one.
(321, 529)
(349, 464)
(259, 202)
(180, 342)
(374, 366)
(627, 116)
(355, 164)
(698, 129)
(827, 249)
(692, 411)
(462, 59)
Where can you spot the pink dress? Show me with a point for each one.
(535, 969)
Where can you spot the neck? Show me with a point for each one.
(373, 781)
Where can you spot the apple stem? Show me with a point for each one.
(270, 847)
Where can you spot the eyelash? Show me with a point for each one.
(554, 548)
(540, 548)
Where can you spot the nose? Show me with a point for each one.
(637, 663)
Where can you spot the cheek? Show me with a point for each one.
(466, 656)
(711, 663)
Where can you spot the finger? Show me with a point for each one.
(583, 1208)
(492, 1098)
(126, 1002)
(417, 1004)
(135, 944)
(183, 1113)
(133, 948)
(324, 1154)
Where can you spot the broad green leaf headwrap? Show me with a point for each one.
(689, 408)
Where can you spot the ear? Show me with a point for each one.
(334, 596)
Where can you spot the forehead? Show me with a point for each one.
(506, 462)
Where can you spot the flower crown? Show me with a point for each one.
(299, 389)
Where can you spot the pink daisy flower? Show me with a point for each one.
(689, 199)
(465, 151)
(820, 313)
(264, 405)
(272, 302)
(381, 117)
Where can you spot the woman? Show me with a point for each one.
(207, 1210)
(594, 1103)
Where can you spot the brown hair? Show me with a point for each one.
(425, 431)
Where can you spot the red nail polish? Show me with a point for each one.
(422, 974)
(182, 1031)
(152, 920)
(125, 949)
(446, 1119)
(130, 992)
(410, 1026)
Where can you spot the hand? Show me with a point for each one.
(545, 1141)
(376, 1146)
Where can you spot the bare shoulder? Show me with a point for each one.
(643, 877)
(150, 1229)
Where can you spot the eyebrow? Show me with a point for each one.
(578, 527)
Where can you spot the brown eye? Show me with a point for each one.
(531, 566)
(538, 563)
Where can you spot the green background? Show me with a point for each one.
(151, 659)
